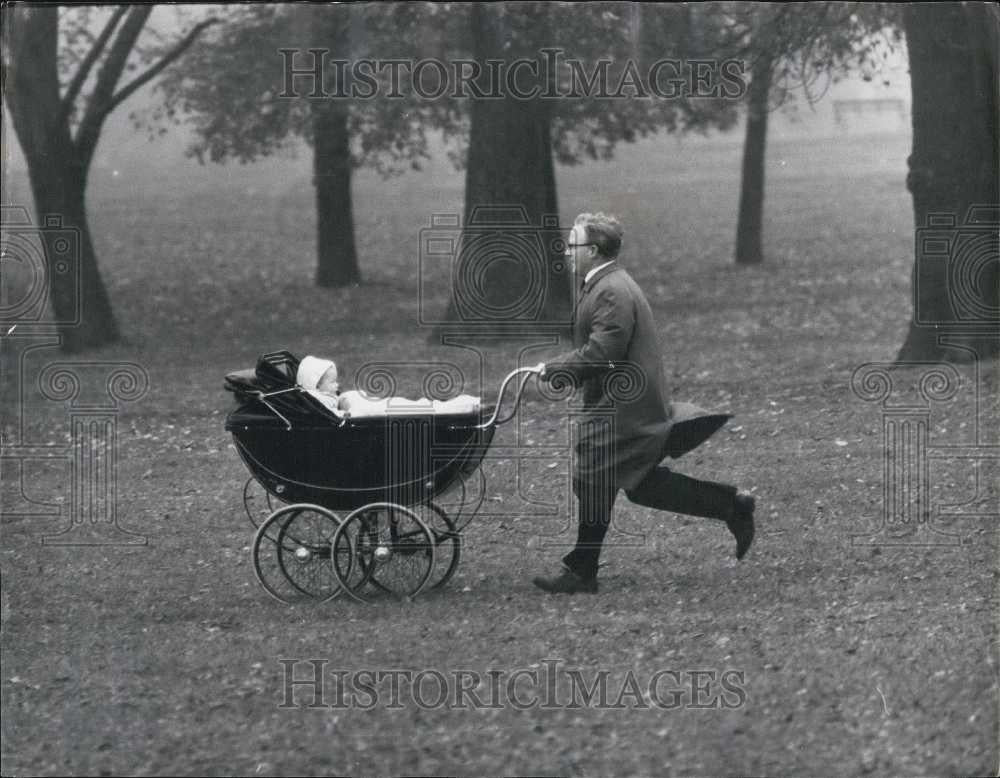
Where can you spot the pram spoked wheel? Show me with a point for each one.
(386, 546)
(447, 546)
(292, 553)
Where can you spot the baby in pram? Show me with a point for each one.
(319, 378)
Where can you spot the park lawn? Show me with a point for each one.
(856, 658)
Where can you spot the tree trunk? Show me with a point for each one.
(79, 301)
(337, 260)
(749, 227)
(510, 265)
(80, 307)
(328, 27)
(953, 174)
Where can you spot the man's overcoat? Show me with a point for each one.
(626, 423)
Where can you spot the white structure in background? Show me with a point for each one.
(851, 106)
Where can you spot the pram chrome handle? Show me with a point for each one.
(528, 372)
(262, 396)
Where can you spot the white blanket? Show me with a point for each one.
(357, 405)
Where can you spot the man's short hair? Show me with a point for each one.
(604, 231)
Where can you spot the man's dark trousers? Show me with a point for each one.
(661, 489)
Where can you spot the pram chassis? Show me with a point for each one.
(395, 539)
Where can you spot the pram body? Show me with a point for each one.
(386, 471)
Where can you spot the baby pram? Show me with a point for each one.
(353, 504)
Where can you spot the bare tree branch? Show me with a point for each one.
(152, 72)
(90, 125)
(88, 62)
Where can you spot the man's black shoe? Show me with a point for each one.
(567, 582)
(741, 524)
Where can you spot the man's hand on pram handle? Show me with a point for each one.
(526, 373)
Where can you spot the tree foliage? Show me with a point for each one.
(809, 45)
(230, 91)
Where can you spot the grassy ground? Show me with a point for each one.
(855, 658)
